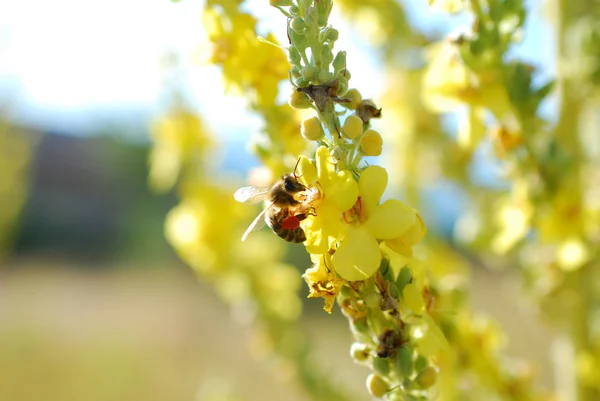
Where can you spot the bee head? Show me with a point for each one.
(291, 184)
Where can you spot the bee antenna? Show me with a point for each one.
(295, 168)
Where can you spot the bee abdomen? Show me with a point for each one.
(295, 235)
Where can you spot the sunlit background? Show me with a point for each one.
(94, 304)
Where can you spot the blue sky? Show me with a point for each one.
(69, 65)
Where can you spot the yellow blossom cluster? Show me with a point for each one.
(349, 222)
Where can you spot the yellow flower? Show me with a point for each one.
(358, 255)
(449, 83)
(349, 219)
(178, 136)
(248, 64)
(337, 193)
(323, 282)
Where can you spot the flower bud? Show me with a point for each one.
(311, 16)
(404, 277)
(298, 39)
(312, 129)
(294, 10)
(381, 365)
(404, 361)
(359, 351)
(360, 327)
(325, 76)
(355, 99)
(299, 100)
(353, 127)
(339, 62)
(297, 24)
(427, 377)
(332, 35)
(308, 72)
(371, 142)
(376, 385)
(326, 55)
(294, 56)
(295, 71)
(342, 86)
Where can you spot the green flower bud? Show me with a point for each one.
(346, 74)
(301, 82)
(326, 55)
(297, 24)
(311, 16)
(345, 291)
(312, 129)
(308, 72)
(295, 71)
(342, 86)
(376, 385)
(372, 299)
(355, 99)
(332, 35)
(381, 365)
(298, 40)
(404, 277)
(404, 361)
(427, 377)
(324, 8)
(359, 351)
(360, 327)
(294, 10)
(339, 63)
(294, 56)
(353, 127)
(299, 100)
(325, 76)
(394, 291)
(421, 362)
(384, 266)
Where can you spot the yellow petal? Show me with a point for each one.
(307, 171)
(325, 167)
(415, 233)
(413, 298)
(434, 340)
(372, 184)
(358, 256)
(345, 190)
(390, 219)
(316, 239)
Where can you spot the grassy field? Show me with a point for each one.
(68, 334)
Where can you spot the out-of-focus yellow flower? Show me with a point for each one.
(572, 254)
(449, 6)
(449, 83)
(513, 218)
(323, 282)
(178, 136)
(247, 62)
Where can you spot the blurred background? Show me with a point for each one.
(94, 304)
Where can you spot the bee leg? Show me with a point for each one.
(301, 216)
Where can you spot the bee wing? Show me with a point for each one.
(251, 194)
(259, 222)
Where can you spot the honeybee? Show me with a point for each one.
(289, 205)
